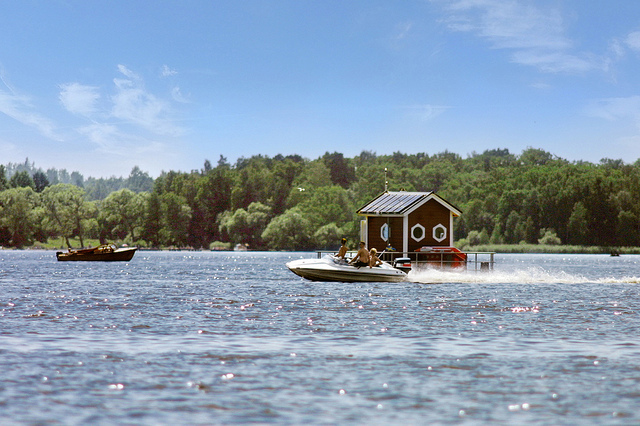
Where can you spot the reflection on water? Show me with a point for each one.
(216, 338)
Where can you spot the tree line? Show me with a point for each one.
(294, 203)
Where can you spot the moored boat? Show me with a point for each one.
(102, 253)
(331, 268)
(449, 257)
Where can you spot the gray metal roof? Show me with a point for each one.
(393, 202)
(399, 203)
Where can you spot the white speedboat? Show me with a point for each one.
(330, 268)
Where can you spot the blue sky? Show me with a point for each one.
(102, 86)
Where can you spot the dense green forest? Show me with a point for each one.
(293, 203)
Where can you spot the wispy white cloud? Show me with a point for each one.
(623, 113)
(536, 35)
(633, 41)
(427, 112)
(614, 109)
(541, 85)
(403, 30)
(134, 104)
(616, 49)
(102, 134)
(111, 141)
(177, 95)
(127, 120)
(556, 61)
(131, 117)
(78, 98)
(20, 108)
(167, 72)
(127, 72)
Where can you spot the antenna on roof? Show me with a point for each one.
(386, 183)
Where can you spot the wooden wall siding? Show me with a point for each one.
(429, 215)
(373, 232)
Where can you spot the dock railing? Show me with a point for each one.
(472, 260)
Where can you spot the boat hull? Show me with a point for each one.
(331, 270)
(119, 255)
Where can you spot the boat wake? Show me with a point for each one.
(528, 275)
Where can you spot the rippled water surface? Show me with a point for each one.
(219, 338)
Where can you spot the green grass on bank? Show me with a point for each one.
(60, 244)
(549, 248)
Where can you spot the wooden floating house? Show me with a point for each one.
(417, 225)
(408, 221)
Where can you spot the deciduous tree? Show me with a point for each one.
(18, 214)
(122, 214)
(66, 211)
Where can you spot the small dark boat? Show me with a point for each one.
(102, 253)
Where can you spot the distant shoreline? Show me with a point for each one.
(551, 249)
(496, 248)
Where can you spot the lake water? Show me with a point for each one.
(224, 338)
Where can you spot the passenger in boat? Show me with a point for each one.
(374, 260)
(362, 256)
(343, 249)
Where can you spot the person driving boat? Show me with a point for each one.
(343, 249)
